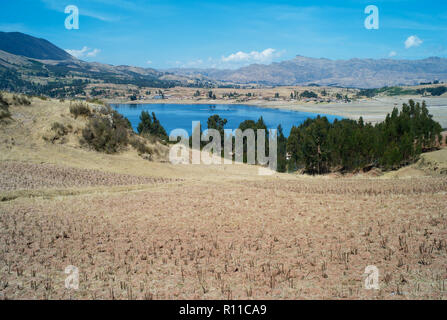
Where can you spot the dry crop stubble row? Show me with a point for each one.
(360, 186)
(28, 176)
(228, 240)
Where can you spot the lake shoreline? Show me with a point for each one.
(182, 116)
(372, 110)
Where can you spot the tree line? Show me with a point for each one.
(318, 146)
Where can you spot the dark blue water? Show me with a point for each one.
(180, 116)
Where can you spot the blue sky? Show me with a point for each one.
(230, 34)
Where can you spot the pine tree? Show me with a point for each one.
(282, 150)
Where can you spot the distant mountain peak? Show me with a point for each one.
(355, 72)
(21, 44)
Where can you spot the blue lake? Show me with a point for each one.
(181, 116)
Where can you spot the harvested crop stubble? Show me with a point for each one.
(226, 241)
(411, 186)
(22, 175)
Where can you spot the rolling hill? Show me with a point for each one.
(36, 66)
(24, 45)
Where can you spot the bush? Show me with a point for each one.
(107, 111)
(20, 100)
(4, 113)
(104, 135)
(119, 120)
(4, 108)
(80, 109)
(59, 129)
(140, 146)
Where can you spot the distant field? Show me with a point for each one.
(372, 109)
(375, 110)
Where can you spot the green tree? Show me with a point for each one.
(151, 126)
(319, 146)
(145, 125)
(282, 150)
(217, 123)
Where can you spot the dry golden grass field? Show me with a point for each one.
(139, 229)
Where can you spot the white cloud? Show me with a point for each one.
(412, 41)
(149, 62)
(93, 53)
(392, 54)
(85, 52)
(77, 53)
(232, 61)
(255, 56)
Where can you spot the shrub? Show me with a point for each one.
(140, 146)
(104, 135)
(59, 129)
(3, 102)
(4, 113)
(4, 108)
(20, 100)
(119, 120)
(80, 109)
(107, 110)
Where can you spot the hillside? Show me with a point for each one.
(36, 66)
(24, 45)
(30, 76)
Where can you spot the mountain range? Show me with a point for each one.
(356, 73)
(23, 58)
